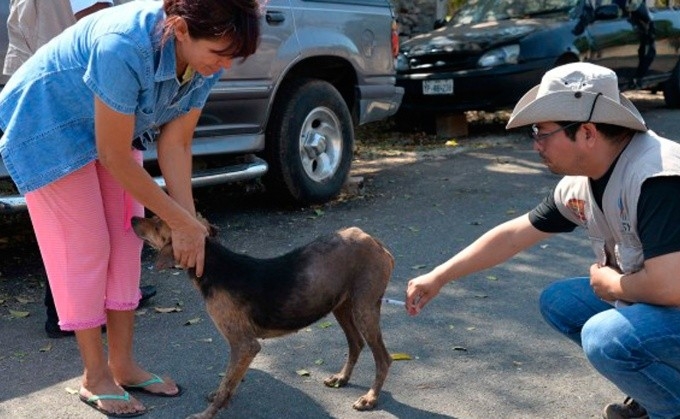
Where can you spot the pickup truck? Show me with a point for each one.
(287, 114)
(491, 52)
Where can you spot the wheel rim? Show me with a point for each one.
(321, 144)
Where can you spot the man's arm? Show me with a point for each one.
(495, 246)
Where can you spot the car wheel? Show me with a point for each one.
(671, 88)
(309, 142)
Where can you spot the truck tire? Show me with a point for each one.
(309, 142)
(671, 88)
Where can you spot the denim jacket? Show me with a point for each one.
(47, 107)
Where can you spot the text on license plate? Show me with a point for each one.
(438, 87)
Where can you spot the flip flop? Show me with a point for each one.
(92, 402)
(142, 387)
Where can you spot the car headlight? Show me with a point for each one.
(505, 55)
(401, 63)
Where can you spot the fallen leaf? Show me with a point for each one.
(451, 143)
(414, 229)
(24, 300)
(47, 347)
(303, 373)
(167, 309)
(492, 278)
(415, 267)
(470, 328)
(400, 356)
(206, 340)
(190, 322)
(325, 325)
(71, 390)
(319, 362)
(19, 314)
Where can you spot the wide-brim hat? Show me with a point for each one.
(577, 92)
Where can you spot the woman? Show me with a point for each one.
(75, 117)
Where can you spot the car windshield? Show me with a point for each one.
(478, 11)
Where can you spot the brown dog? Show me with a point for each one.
(247, 298)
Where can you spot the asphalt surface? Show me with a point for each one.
(480, 350)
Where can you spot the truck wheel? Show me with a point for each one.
(309, 142)
(671, 88)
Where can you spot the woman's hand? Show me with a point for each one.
(188, 244)
(420, 291)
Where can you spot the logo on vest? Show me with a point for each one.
(578, 208)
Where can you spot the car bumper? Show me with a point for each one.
(478, 89)
(378, 102)
(250, 168)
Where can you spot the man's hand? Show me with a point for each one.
(606, 282)
(420, 291)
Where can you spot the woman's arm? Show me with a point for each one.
(175, 159)
(113, 133)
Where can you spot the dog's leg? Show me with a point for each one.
(242, 353)
(367, 317)
(343, 313)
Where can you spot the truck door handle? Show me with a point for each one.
(274, 17)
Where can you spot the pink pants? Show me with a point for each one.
(90, 252)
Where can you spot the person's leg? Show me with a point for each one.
(568, 304)
(52, 319)
(638, 349)
(122, 291)
(69, 223)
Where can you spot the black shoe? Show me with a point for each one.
(629, 409)
(148, 291)
(54, 331)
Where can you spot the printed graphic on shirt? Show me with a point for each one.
(623, 214)
(578, 208)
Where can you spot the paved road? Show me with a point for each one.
(480, 350)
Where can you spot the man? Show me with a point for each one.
(621, 184)
(31, 24)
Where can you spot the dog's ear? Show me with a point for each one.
(166, 258)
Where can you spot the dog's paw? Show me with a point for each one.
(336, 381)
(365, 402)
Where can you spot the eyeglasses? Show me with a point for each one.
(541, 137)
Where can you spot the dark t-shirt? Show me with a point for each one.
(658, 214)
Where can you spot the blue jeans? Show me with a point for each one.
(636, 347)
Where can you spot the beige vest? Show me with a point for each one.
(613, 232)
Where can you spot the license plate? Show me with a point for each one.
(438, 87)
